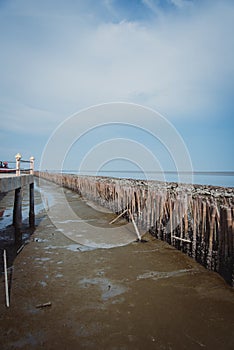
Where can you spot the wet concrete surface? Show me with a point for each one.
(135, 296)
(68, 213)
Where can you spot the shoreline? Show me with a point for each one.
(130, 297)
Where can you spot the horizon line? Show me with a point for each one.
(195, 172)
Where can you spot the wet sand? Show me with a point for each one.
(136, 296)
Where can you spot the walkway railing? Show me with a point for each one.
(18, 167)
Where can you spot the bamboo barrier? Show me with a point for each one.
(199, 222)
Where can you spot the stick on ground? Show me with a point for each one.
(119, 216)
(6, 279)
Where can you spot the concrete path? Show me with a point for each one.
(83, 221)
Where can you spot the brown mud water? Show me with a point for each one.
(64, 295)
(198, 220)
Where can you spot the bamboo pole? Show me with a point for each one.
(171, 223)
(31, 206)
(211, 234)
(148, 208)
(135, 226)
(152, 222)
(185, 217)
(232, 228)
(174, 223)
(221, 236)
(119, 216)
(229, 231)
(194, 229)
(203, 222)
(167, 218)
(181, 209)
(186, 224)
(6, 279)
(160, 216)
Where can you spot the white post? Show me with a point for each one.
(31, 205)
(6, 279)
(18, 157)
(32, 165)
(134, 224)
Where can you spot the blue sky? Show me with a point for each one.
(175, 56)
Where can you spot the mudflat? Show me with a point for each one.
(64, 295)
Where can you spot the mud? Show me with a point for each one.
(137, 296)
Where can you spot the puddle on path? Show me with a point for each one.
(107, 288)
(156, 275)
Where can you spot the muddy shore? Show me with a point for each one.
(140, 295)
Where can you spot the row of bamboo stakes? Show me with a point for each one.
(200, 225)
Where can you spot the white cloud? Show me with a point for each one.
(61, 63)
(22, 118)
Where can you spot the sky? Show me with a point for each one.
(59, 57)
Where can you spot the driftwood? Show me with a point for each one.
(39, 306)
